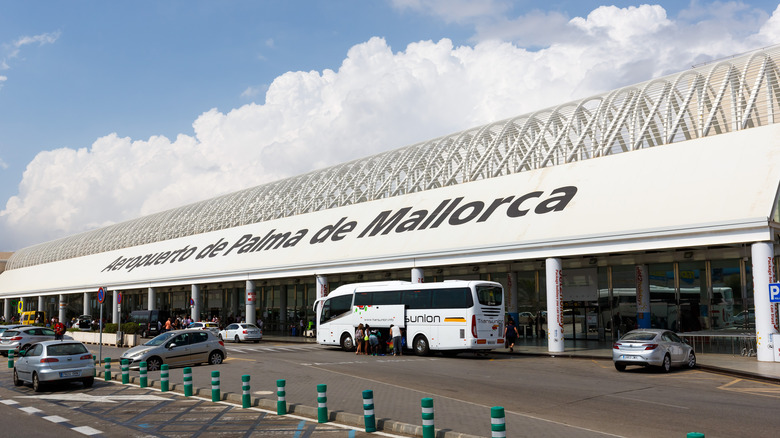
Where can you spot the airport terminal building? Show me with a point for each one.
(654, 205)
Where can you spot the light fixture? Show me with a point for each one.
(593, 260)
(475, 268)
(688, 254)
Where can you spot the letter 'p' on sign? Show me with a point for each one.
(774, 292)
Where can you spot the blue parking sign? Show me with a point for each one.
(774, 292)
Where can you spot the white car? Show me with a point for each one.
(241, 332)
(213, 327)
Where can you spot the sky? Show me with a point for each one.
(110, 111)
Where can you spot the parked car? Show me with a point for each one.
(22, 337)
(148, 320)
(241, 332)
(84, 322)
(178, 348)
(213, 327)
(54, 361)
(3, 328)
(652, 347)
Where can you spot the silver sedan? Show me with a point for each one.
(54, 361)
(652, 347)
(178, 348)
(241, 332)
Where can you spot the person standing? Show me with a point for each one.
(510, 334)
(359, 338)
(59, 330)
(395, 332)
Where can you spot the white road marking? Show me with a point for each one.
(97, 399)
(30, 410)
(55, 419)
(86, 430)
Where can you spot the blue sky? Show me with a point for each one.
(113, 110)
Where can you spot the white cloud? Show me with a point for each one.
(377, 100)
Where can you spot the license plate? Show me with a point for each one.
(629, 357)
(70, 374)
(252, 332)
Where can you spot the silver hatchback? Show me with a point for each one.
(21, 338)
(54, 361)
(652, 347)
(178, 348)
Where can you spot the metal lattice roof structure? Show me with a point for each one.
(720, 97)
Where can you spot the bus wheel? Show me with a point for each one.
(421, 347)
(346, 342)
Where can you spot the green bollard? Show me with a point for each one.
(322, 403)
(429, 431)
(215, 386)
(125, 371)
(164, 386)
(188, 382)
(695, 435)
(368, 411)
(246, 398)
(10, 358)
(281, 402)
(142, 372)
(497, 422)
(107, 366)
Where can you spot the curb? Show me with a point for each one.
(345, 418)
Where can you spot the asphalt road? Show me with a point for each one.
(542, 396)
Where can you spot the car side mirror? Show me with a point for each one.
(171, 346)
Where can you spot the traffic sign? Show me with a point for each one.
(21, 306)
(101, 295)
(774, 292)
(119, 298)
(192, 302)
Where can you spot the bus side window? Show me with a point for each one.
(335, 307)
(417, 299)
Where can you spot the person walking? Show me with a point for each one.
(510, 334)
(59, 329)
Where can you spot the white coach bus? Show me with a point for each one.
(451, 316)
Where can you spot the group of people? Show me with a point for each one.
(371, 341)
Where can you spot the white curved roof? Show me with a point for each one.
(721, 97)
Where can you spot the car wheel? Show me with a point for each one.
(691, 360)
(143, 334)
(215, 358)
(153, 363)
(421, 347)
(347, 344)
(620, 367)
(17, 382)
(36, 383)
(666, 366)
(237, 339)
(88, 382)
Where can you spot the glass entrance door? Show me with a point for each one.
(580, 320)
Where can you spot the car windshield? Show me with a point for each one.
(249, 326)
(160, 339)
(9, 333)
(638, 336)
(66, 349)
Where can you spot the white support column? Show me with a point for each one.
(195, 311)
(63, 306)
(762, 254)
(417, 275)
(86, 304)
(7, 310)
(114, 306)
(642, 296)
(554, 305)
(151, 299)
(41, 304)
(251, 302)
(322, 286)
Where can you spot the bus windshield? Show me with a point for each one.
(489, 295)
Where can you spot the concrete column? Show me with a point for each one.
(251, 302)
(85, 305)
(283, 307)
(195, 311)
(554, 305)
(114, 306)
(63, 307)
(151, 299)
(762, 254)
(41, 304)
(7, 310)
(322, 286)
(417, 275)
(642, 296)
